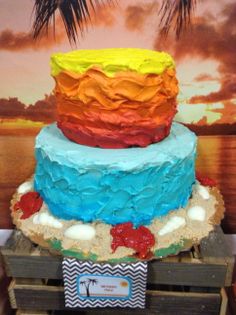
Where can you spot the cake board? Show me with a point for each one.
(189, 283)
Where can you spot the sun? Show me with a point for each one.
(124, 284)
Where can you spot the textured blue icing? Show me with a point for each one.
(115, 185)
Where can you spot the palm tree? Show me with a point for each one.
(87, 284)
(74, 13)
(176, 13)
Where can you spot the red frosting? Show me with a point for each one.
(119, 138)
(205, 181)
(140, 239)
(29, 203)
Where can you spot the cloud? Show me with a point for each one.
(226, 92)
(210, 39)
(204, 77)
(228, 113)
(137, 15)
(104, 15)
(12, 41)
(43, 110)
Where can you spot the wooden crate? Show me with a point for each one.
(4, 282)
(190, 283)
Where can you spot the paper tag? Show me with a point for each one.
(90, 284)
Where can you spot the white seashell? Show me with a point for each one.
(174, 223)
(83, 232)
(197, 213)
(203, 192)
(44, 218)
(25, 187)
(36, 219)
(47, 220)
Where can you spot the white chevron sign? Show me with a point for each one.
(89, 284)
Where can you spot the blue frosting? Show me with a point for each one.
(115, 186)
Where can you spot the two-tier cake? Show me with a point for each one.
(115, 178)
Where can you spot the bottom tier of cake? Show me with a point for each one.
(97, 241)
(114, 186)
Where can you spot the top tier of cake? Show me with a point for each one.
(115, 98)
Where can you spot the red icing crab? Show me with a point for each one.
(205, 181)
(29, 203)
(140, 239)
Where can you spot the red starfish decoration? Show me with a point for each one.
(29, 203)
(205, 181)
(140, 239)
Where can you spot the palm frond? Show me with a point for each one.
(176, 13)
(82, 283)
(73, 13)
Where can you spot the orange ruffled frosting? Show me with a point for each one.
(129, 109)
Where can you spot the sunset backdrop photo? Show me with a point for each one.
(206, 70)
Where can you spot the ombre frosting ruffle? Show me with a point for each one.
(129, 109)
(111, 61)
(132, 104)
(114, 186)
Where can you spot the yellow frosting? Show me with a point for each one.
(112, 61)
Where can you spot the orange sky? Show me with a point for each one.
(204, 56)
